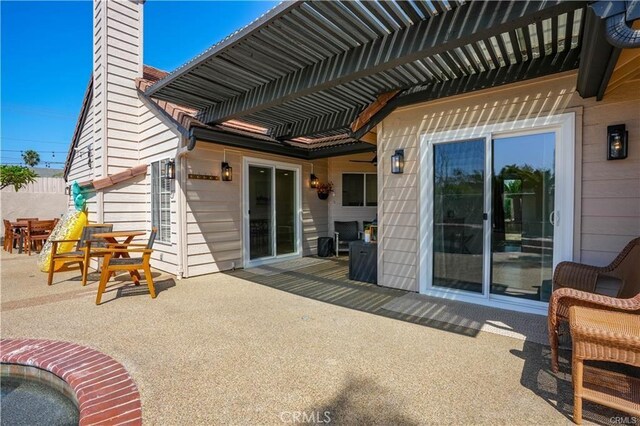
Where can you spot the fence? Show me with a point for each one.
(43, 199)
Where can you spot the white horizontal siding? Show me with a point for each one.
(608, 193)
(214, 221)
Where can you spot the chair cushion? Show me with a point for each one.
(609, 286)
(347, 231)
(126, 261)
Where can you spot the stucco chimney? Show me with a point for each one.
(117, 62)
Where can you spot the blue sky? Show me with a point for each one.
(46, 61)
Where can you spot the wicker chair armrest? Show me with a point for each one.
(576, 275)
(572, 296)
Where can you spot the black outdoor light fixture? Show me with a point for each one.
(227, 172)
(617, 142)
(397, 162)
(170, 169)
(313, 181)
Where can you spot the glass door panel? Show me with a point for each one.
(285, 211)
(260, 212)
(458, 176)
(523, 209)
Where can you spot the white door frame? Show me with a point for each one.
(273, 165)
(564, 127)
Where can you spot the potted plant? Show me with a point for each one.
(324, 189)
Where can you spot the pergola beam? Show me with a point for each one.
(316, 124)
(465, 24)
(534, 68)
(239, 141)
(597, 54)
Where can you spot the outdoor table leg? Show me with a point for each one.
(20, 242)
(135, 275)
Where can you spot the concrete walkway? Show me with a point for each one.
(221, 349)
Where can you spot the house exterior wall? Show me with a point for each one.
(214, 208)
(338, 166)
(158, 140)
(83, 163)
(122, 131)
(607, 193)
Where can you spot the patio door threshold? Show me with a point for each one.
(508, 303)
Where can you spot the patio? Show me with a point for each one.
(234, 348)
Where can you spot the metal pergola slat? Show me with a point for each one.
(312, 64)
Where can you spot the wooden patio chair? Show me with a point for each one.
(345, 233)
(118, 258)
(26, 219)
(37, 232)
(600, 335)
(86, 248)
(10, 236)
(575, 284)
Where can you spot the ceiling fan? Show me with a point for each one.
(373, 161)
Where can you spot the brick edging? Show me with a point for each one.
(104, 389)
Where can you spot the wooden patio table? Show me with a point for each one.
(112, 238)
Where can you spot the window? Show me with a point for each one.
(161, 200)
(359, 189)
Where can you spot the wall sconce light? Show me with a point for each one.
(397, 162)
(67, 190)
(313, 181)
(617, 142)
(227, 172)
(170, 169)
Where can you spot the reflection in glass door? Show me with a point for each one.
(272, 205)
(523, 215)
(260, 212)
(458, 207)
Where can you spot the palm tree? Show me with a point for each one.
(31, 158)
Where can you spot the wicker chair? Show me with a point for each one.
(600, 335)
(575, 285)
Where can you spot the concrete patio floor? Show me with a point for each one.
(220, 349)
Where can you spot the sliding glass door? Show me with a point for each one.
(523, 215)
(458, 206)
(260, 212)
(272, 220)
(491, 212)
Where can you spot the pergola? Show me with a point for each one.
(317, 69)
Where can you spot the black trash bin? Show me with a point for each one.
(325, 246)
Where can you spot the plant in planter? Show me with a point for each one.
(324, 189)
